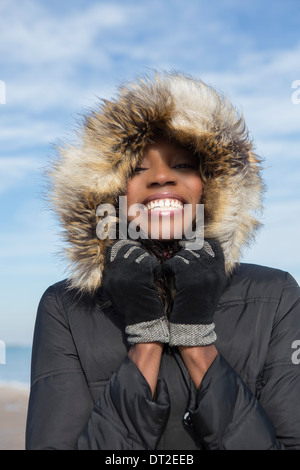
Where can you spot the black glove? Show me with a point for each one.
(129, 283)
(199, 280)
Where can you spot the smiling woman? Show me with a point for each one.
(152, 343)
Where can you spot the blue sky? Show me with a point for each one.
(57, 57)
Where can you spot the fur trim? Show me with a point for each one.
(111, 141)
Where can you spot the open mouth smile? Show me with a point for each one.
(164, 204)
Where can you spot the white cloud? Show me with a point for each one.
(15, 169)
(50, 52)
(26, 131)
(260, 83)
(36, 35)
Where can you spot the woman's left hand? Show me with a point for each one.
(199, 279)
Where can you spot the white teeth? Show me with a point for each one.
(164, 203)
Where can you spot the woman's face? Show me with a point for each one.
(167, 184)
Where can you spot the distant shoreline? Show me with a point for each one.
(15, 384)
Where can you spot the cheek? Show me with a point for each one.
(196, 189)
(133, 195)
(132, 192)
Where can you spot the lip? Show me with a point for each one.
(166, 195)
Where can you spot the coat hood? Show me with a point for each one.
(110, 142)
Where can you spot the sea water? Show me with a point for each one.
(16, 369)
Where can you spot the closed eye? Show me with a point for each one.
(184, 166)
(139, 169)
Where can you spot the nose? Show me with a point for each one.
(161, 174)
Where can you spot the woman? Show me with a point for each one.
(159, 342)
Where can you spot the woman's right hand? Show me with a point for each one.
(129, 283)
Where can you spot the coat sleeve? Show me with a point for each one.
(60, 402)
(126, 417)
(61, 412)
(225, 412)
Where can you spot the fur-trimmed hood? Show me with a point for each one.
(110, 143)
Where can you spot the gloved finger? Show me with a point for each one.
(214, 248)
(170, 266)
(210, 246)
(197, 246)
(185, 257)
(120, 248)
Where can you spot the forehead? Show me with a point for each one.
(166, 147)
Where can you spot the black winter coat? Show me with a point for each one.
(87, 394)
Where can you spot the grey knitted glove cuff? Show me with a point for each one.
(192, 335)
(148, 332)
